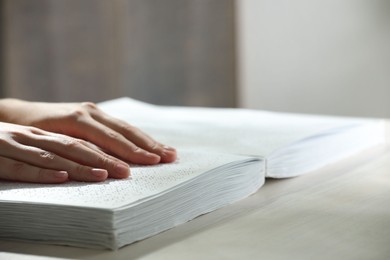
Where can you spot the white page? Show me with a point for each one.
(238, 131)
(146, 182)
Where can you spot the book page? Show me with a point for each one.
(145, 182)
(237, 131)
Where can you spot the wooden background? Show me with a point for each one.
(178, 52)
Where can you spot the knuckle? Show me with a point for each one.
(17, 167)
(154, 146)
(79, 169)
(92, 146)
(104, 161)
(77, 114)
(47, 157)
(33, 130)
(41, 174)
(36, 130)
(135, 149)
(129, 153)
(70, 143)
(113, 135)
(89, 105)
(17, 135)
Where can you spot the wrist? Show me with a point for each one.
(9, 108)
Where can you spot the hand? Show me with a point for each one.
(30, 154)
(86, 121)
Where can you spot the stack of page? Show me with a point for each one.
(224, 156)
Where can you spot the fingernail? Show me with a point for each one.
(122, 169)
(168, 148)
(152, 155)
(61, 174)
(99, 172)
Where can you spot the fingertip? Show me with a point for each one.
(168, 158)
(146, 158)
(61, 175)
(152, 158)
(88, 174)
(121, 171)
(99, 174)
(168, 155)
(55, 177)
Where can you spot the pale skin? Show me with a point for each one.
(57, 142)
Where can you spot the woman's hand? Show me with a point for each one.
(86, 121)
(30, 154)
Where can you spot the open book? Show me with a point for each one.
(224, 156)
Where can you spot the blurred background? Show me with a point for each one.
(306, 56)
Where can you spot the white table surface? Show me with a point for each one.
(338, 212)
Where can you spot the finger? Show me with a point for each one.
(78, 151)
(13, 170)
(119, 169)
(49, 160)
(139, 138)
(115, 142)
